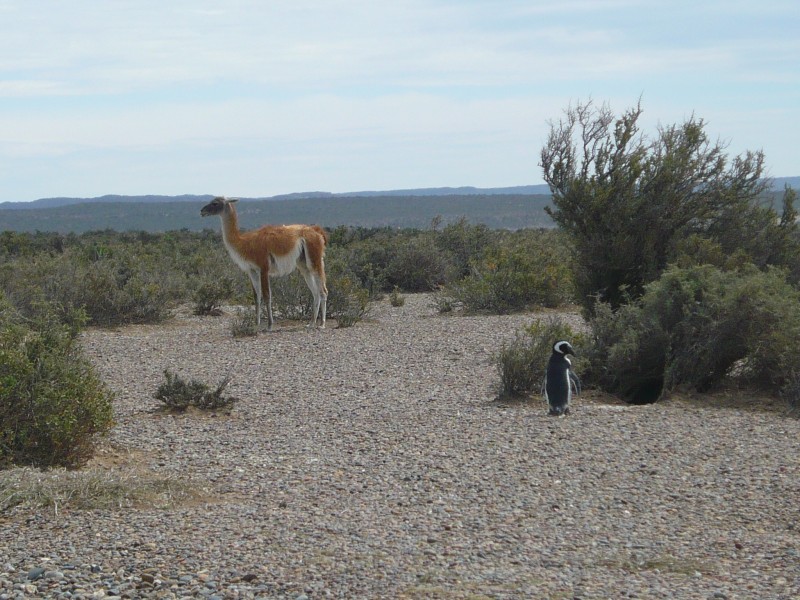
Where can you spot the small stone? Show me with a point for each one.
(35, 573)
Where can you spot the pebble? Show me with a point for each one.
(375, 461)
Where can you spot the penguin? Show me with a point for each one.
(559, 379)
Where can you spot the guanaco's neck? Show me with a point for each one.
(230, 225)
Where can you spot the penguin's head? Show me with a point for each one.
(563, 347)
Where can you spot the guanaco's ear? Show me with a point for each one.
(232, 200)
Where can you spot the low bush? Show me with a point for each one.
(695, 326)
(522, 363)
(52, 403)
(627, 353)
(119, 278)
(396, 299)
(178, 394)
(210, 294)
(465, 244)
(291, 298)
(526, 269)
(348, 303)
(444, 301)
(791, 393)
(418, 265)
(367, 261)
(113, 289)
(244, 323)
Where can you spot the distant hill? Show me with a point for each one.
(110, 198)
(500, 211)
(502, 208)
(778, 183)
(439, 191)
(442, 191)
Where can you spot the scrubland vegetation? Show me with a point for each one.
(683, 273)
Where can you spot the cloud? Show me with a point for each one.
(311, 45)
(436, 88)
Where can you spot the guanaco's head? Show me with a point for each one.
(216, 206)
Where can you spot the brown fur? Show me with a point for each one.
(265, 246)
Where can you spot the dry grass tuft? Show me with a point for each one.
(94, 489)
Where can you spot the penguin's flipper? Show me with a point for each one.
(575, 382)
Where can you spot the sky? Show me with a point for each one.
(255, 98)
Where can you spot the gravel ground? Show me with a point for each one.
(374, 462)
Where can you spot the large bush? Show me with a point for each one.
(627, 201)
(52, 404)
(695, 326)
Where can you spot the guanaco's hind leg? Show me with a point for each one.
(266, 291)
(318, 290)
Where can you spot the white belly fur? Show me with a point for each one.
(279, 265)
(283, 265)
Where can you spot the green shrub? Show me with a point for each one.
(52, 403)
(628, 201)
(627, 353)
(367, 262)
(695, 326)
(523, 362)
(465, 244)
(114, 289)
(444, 301)
(211, 291)
(527, 269)
(348, 300)
(120, 278)
(244, 323)
(791, 393)
(395, 299)
(291, 298)
(417, 265)
(348, 303)
(178, 394)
